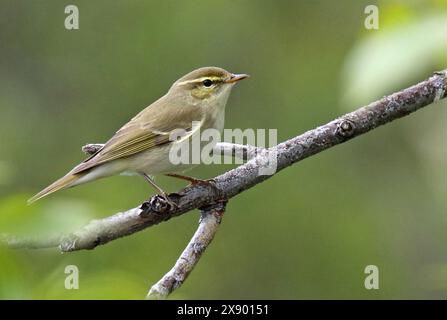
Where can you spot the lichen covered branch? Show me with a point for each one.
(237, 180)
(210, 219)
(261, 165)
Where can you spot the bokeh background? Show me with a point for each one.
(310, 231)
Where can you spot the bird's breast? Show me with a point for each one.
(214, 117)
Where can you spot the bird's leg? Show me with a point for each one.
(191, 180)
(160, 190)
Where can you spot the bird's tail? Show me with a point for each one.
(63, 183)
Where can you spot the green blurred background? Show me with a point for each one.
(308, 232)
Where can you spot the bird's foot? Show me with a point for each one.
(192, 181)
(171, 203)
(207, 182)
(160, 203)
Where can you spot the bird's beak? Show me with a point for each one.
(236, 77)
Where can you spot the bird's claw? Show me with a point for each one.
(168, 201)
(203, 182)
(159, 203)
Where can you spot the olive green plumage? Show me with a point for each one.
(142, 145)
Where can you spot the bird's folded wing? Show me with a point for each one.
(130, 140)
(150, 128)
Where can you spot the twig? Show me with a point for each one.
(235, 181)
(15, 242)
(104, 230)
(210, 219)
(244, 152)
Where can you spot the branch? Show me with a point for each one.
(15, 242)
(244, 152)
(233, 182)
(210, 219)
(121, 224)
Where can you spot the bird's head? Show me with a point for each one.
(208, 83)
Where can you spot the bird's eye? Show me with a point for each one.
(207, 83)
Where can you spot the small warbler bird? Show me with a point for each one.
(143, 144)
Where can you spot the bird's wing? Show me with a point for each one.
(150, 128)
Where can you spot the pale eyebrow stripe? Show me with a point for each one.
(213, 78)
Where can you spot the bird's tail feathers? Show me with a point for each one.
(63, 183)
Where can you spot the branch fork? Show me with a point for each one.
(211, 200)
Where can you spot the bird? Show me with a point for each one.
(142, 145)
